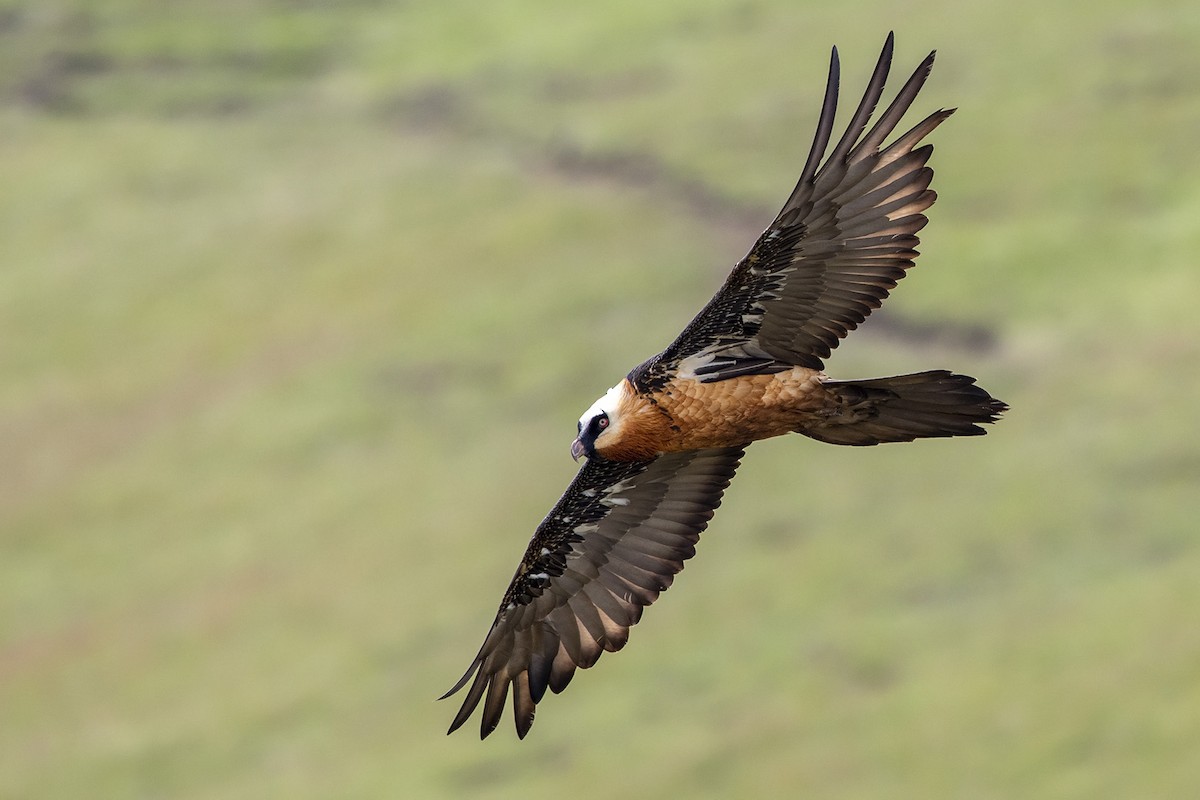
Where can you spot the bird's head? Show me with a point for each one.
(598, 424)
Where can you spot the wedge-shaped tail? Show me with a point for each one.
(905, 407)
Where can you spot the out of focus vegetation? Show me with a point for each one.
(299, 303)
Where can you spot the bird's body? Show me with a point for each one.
(688, 414)
(664, 442)
(691, 414)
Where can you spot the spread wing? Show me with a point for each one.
(613, 542)
(843, 239)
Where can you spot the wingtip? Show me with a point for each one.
(455, 725)
(486, 727)
(926, 65)
(889, 49)
(461, 681)
(523, 725)
(462, 716)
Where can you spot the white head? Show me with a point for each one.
(598, 420)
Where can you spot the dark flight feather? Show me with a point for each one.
(613, 542)
(845, 236)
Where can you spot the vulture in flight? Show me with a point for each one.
(662, 445)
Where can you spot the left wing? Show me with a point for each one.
(845, 236)
(613, 542)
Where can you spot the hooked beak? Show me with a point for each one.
(577, 449)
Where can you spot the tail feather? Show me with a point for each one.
(905, 407)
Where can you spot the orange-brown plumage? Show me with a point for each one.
(688, 414)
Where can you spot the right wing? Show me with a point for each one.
(843, 239)
(606, 550)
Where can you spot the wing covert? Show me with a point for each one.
(845, 236)
(608, 548)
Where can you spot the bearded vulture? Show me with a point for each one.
(662, 445)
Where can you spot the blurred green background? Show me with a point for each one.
(299, 303)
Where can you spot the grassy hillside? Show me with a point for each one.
(299, 305)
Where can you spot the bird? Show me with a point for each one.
(662, 445)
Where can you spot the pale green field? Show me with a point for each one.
(298, 307)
